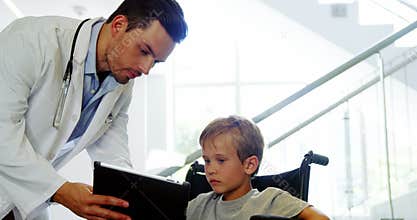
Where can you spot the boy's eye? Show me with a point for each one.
(220, 160)
(206, 161)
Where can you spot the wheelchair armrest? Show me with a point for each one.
(268, 217)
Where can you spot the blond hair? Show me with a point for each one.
(246, 136)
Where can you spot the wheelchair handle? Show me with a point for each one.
(196, 167)
(317, 158)
(320, 159)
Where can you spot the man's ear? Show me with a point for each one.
(118, 24)
(251, 164)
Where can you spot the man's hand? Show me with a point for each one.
(78, 198)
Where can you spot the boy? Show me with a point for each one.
(232, 149)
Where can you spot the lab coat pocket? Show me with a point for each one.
(109, 120)
(104, 127)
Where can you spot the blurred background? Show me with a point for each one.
(245, 56)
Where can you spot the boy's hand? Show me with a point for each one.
(311, 213)
(78, 198)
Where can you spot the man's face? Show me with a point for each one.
(133, 53)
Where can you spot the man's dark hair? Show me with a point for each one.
(140, 13)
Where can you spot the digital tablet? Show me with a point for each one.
(150, 197)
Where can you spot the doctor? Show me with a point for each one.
(65, 86)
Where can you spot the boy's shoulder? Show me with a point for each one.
(269, 201)
(276, 201)
(271, 191)
(204, 197)
(268, 194)
(198, 205)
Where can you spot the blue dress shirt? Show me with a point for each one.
(93, 92)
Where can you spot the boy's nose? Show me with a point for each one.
(210, 170)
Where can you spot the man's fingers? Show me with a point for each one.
(94, 218)
(102, 213)
(79, 198)
(89, 188)
(108, 200)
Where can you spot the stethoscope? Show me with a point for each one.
(66, 81)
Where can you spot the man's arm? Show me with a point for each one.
(26, 178)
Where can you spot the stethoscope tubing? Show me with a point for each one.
(66, 81)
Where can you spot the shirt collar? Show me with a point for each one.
(90, 64)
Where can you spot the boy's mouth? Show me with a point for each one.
(214, 182)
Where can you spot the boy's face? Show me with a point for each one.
(225, 172)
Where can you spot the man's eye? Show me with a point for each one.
(206, 161)
(144, 52)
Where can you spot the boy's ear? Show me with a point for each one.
(251, 164)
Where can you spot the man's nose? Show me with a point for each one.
(147, 65)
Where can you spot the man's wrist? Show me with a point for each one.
(57, 195)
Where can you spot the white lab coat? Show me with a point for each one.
(34, 52)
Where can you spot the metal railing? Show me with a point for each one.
(332, 74)
(375, 49)
(388, 71)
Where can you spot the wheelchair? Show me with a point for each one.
(296, 181)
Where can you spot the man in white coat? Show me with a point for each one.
(62, 91)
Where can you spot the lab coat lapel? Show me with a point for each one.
(101, 121)
(73, 101)
(72, 107)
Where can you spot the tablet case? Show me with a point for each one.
(150, 197)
